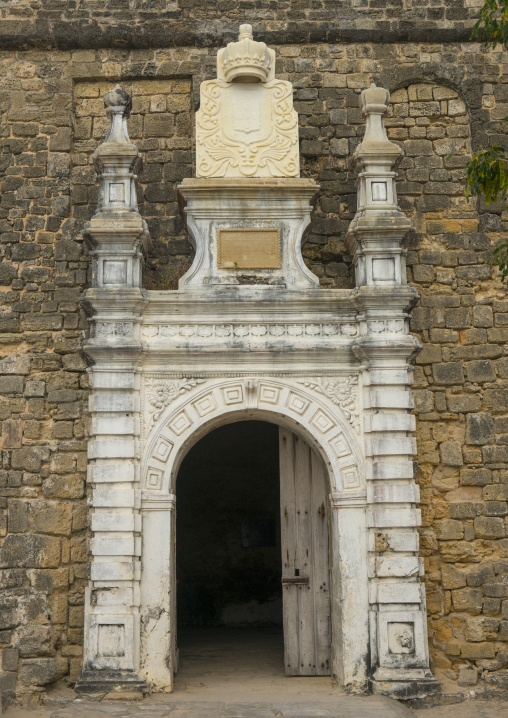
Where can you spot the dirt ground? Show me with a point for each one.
(239, 674)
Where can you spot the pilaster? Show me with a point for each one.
(118, 237)
(397, 611)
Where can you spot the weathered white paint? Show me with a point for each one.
(305, 549)
(331, 366)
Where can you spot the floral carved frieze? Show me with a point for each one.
(342, 391)
(256, 331)
(389, 326)
(161, 393)
(113, 329)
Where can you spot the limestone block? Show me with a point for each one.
(449, 530)
(34, 639)
(452, 577)
(30, 551)
(112, 449)
(112, 546)
(467, 599)
(391, 399)
(117, 498)
(389, 376)
(402, 540)
(451, 453)
(386, 470)
(29, 458)
(63, 487)
(393, 517)
(398, 566)
(393, 493)
(389, 445)
(10, 657)
(390, 422)
(115, 380)
(115, 596)
(35, 388)
(16, 364)
(114, 401)
(468, 676)
(480, 429)
(42, 671)
(12, 434)
(489, 527)
(115, 570)
(114, 424)
(115, 522)
(395, 592)
(111, 473)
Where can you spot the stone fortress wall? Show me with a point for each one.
(448, 96)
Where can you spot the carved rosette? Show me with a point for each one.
(160, 393)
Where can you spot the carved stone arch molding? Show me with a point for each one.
(325, 411)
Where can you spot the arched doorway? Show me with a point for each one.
(252, 553)
(302, 411)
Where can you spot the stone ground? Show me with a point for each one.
(237, 674)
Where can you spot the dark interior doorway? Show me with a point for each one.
(228, 531)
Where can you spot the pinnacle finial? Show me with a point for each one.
(118, 98)
(374, 100)
(245, 32)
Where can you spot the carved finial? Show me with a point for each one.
(374, 100)
(245, 32)
(118, 104)
(374, 104)
(245, 60)
(118, 99)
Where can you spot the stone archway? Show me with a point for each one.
(260, 339)
(332, 430)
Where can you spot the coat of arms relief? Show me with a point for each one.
(246, 125)
(247, 130)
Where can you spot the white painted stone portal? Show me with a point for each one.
(250, 335)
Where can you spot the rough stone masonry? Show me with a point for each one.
(449, 97)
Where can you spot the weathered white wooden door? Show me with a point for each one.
(305, 558)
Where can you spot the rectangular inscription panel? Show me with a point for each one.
(249, 249)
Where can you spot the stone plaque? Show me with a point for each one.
(249, 249)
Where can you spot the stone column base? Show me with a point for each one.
(109, 681)
(404, 684)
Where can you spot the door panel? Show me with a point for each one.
(305, 558)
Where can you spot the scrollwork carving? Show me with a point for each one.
(162, 393)
(113, 329)
(247, 131)
(342, 391)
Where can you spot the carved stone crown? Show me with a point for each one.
(374, 100)
(245, 60)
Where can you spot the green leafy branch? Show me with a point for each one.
(493, 18)
(487, 176)
(487, 172)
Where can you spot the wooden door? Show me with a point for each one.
(305, 558)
